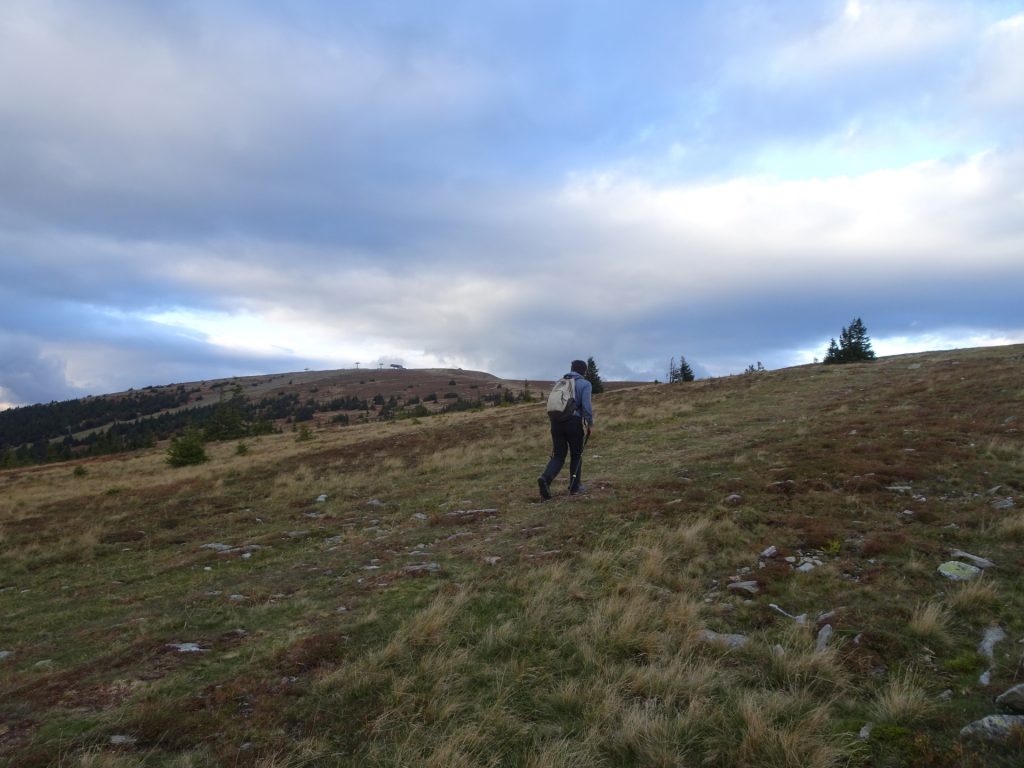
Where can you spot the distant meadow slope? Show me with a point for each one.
(817, 566)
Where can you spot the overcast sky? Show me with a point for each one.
(191, 190)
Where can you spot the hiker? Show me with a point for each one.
(572, 420)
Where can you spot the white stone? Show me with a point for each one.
(770, 551)
(321, 498)
(186, 647)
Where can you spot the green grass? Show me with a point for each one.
(565, 633)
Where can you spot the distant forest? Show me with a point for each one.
(96, 426)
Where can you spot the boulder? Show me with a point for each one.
(1012, 699)
(997, 728)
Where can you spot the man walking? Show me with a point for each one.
(569, 434)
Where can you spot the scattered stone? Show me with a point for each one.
(782, 486)
(778, 650)
(865, 732)
(733, 500)
(297, 534)
(343, 609)
(993, 636)
(45, 664)
(236, 598)
(823, 637)
(907, 512)
(801, 619)
(769, 552)
(1012, 699)
(217, 546)
(375, 503)
(5, 654)
(806, 567)
(420, 516)
(946, 695)
(321, 498)
(981, 562)
(749, 587)
(957, 571)
(422, 569)
(187, 647)
(789, 559)
(997, 728)
(732, 641)
(121, 740)
(492, 560)
(899, 488)
(1006, 503)
(467, 515)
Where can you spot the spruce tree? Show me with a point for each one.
(685, 372)
(854, 345)
(593, 376)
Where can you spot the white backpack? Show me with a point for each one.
(562, 400)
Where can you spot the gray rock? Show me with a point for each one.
(321, 498)
(1006, 503)
(733, 641)
(865, 732)
(750, 587)
(1012, 699)
(217, 547)
(823, 637)
(422, 569)
(734, 499)
(5, 654)
(981, 562)
(770, 551)
(122, 740)
(993, 728)
(957, 571)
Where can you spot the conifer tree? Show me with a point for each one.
(593, 376)
(685, 372)
(854, 345)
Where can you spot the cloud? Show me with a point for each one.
(228, 187)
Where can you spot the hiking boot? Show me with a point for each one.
(580, 488)
(545, 487)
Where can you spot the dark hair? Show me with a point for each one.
(578, 366)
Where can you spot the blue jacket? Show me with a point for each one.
(583, 407)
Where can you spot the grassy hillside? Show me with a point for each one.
(432, 611)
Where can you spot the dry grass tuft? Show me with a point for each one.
(974, 598)
(903, 700)
(930, 622)
(1011, 527)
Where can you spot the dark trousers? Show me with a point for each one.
(566, 437)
